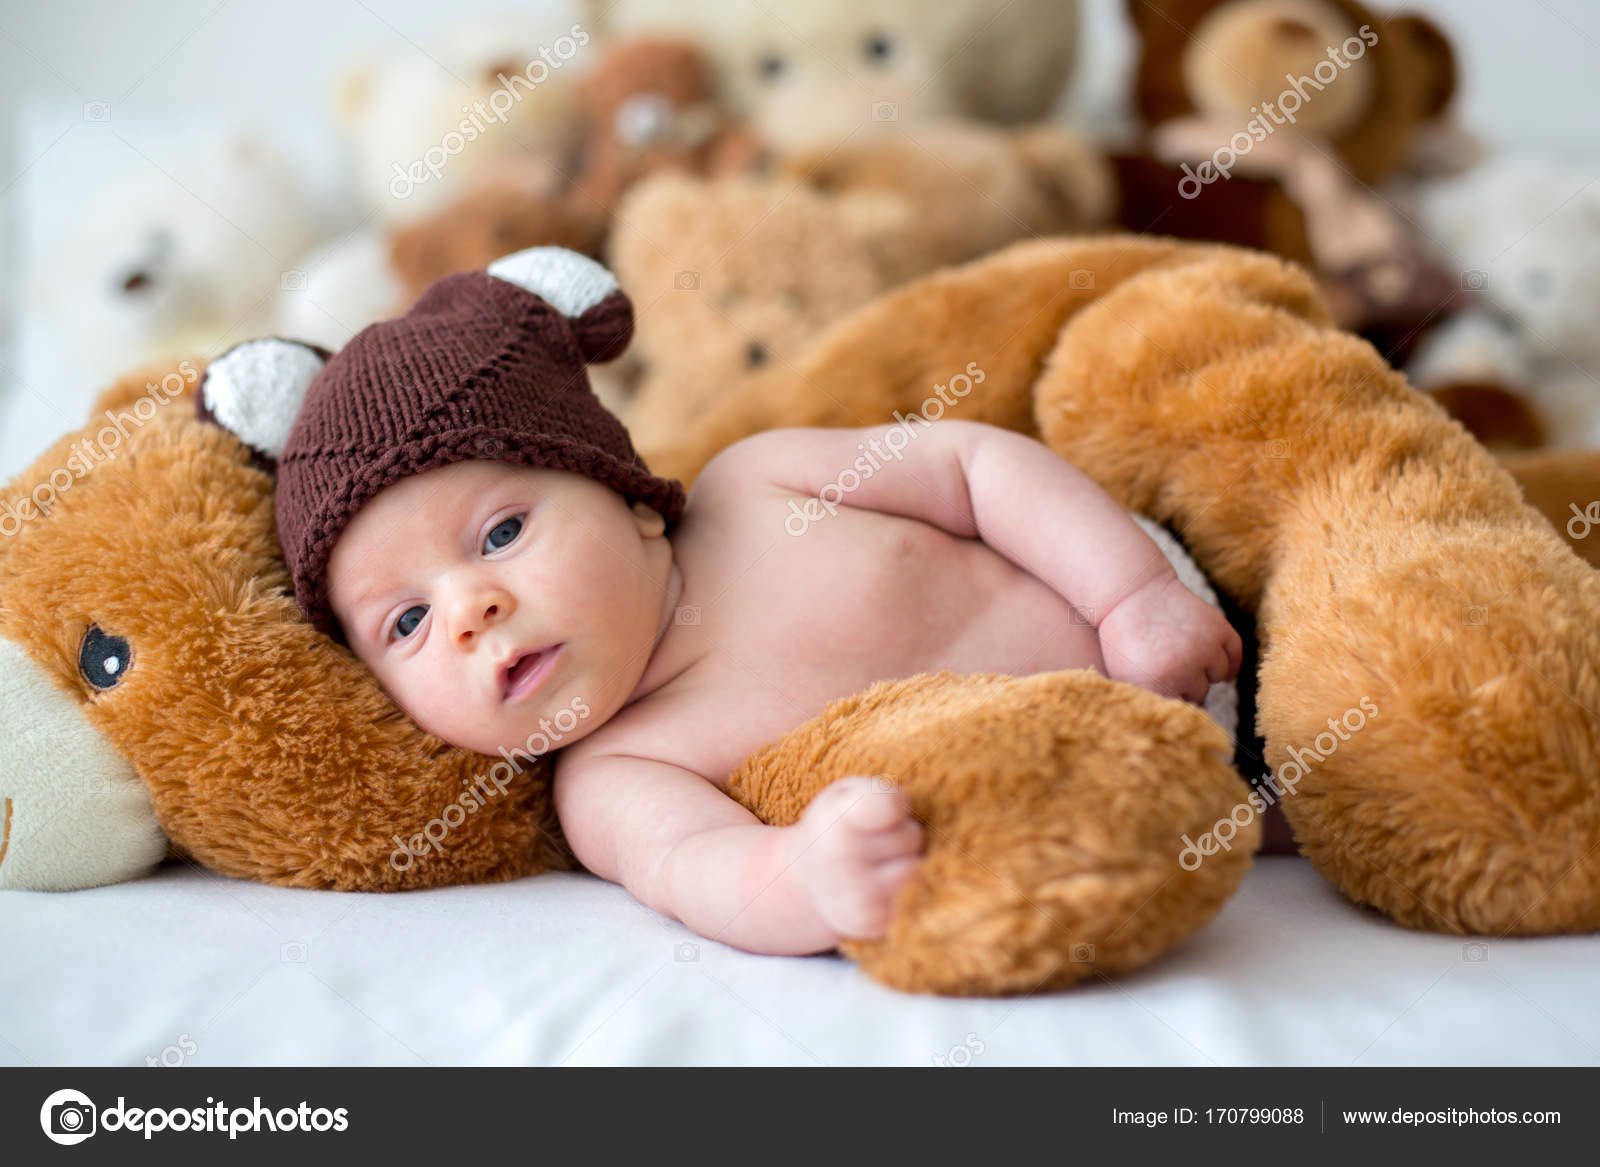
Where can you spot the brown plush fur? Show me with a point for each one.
(268, 753)
(1385, 552)
(701, 138)
(1058, 864)
(1411, 76)
(514, 205)
(734, 277)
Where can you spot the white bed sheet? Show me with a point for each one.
(567, 969)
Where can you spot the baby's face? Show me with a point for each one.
(486, 597)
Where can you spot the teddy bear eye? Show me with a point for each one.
(755, 354)
(877, 48)
(103, 660)
(770, 66)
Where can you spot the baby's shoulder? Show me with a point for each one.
(651, 730)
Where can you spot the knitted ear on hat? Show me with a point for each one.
(255, 389)
(599, 314)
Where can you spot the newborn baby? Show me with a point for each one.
(459, 508)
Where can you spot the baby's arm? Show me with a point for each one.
(1040, 512)
(683, 847)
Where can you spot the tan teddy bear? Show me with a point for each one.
(733, 276)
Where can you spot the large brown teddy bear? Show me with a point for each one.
(1385, 553)
(1076, 825)
(147, 628)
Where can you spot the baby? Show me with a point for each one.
(458, 507)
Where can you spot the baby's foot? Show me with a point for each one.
(855, 847)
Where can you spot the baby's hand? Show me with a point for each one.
(855, 846)
(1166, 638)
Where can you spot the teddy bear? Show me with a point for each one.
(642, 106)
(1523, 232)
(422, 121)
(179, 258)
(650, 104)
(191, 712)
(807, 73)
(1269, 124)
(374, 273)
(1425, 633)
(1426, 636)
(739, 273)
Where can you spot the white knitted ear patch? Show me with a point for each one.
(255, 390)
(568, 282)
(1222, 699)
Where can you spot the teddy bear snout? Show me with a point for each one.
(75, 813)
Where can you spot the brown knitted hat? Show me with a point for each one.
(481, 367)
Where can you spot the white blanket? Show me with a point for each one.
(567, 969)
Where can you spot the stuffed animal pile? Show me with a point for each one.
(830, 215)
(1427, 640)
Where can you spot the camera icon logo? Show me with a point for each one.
(686, 281)
(97, 111)
(1081, 954)
(1475, 615)
(1080, 279)
(1475, 952)
(1082, 616)
(294, 952)
(67, 1117)
(1474, 281)
(686, 953)
(1277, 447)
(885, 111)
(688, 614)
(294, 281)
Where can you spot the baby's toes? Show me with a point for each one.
(877, 807)
(862, 909)
(902, 841)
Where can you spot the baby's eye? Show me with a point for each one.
(409, 619)
(504, 534)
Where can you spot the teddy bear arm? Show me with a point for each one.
(1055, 808)
(1427, 638)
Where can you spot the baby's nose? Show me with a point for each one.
(479, 613)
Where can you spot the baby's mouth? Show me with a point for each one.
(524, 674)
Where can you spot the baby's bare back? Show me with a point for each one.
(779, 616)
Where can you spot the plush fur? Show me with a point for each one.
(267, 753)
(1208, 71)
(734, 277)
(818, 72)
(1384, 551)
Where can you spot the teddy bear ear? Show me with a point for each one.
(1432, 57)
(255, 389)
(583, 291)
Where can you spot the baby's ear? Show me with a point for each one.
(649, 520)
(600, 315)
(255, 390)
